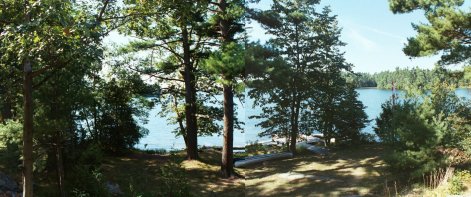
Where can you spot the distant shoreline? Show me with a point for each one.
(469, 88)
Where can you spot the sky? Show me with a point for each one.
(374, 35)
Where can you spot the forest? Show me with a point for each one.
(75, 107)
(403, 78)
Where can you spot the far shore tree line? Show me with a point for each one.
(404, 78)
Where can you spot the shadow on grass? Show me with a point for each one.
(140, 174)
(357, 171)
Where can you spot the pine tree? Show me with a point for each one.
(448, 30)
(228, 64)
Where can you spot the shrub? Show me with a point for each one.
(422, 131)
(84, 177)
(10, 142)
(456, 183)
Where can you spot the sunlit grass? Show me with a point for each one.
(357, 171)
(142, 174)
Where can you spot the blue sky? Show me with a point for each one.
(374, 35)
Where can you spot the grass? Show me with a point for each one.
(138, 174)
(356, 171)
(351, 171)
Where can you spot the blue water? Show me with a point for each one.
(161, 136)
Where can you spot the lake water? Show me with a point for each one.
(161, 136)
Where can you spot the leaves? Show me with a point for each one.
(447, 33)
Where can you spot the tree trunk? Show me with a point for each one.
(60, 166)
(294, 123)
(294, 136)
(27, 120)
(190, 99)
(227, 167)
(227, 164)
(27, 130)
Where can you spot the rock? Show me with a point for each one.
(8, 185)
(113, 188)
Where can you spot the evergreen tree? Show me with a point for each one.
(438, 118)
(177, 31)
(291, 22)
(228, 63)
(448, 30)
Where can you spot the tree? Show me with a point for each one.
(38, 35)
(352, 117)
(179, 34)
(340, 115)
(332, 87)
(294, 30)
(439, 118)
(448, 30)
(304, 81)
(265, 69)
(228, 63)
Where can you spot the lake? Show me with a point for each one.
(161, 136)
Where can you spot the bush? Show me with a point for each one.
(84, 177)
(456, 183)
(10, 142)
(424, 133)
(86, 183)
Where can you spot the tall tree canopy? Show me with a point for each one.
(228, 65)
(448, 31)
(174, 35)
(299, 82)
(39, 38)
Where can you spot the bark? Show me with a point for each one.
(27, 130)
(190, 99)
(60, 167)
(294, 133)
(227, 164)
(295, 104)
(294, 122)
(227, 167)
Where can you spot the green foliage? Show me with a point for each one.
(447, 31)
(118, 131)
(351, 118)
(87, 183)
(228, 62)
(159, 151)
(10, 144)
(406, 79)
(457, 182)
(10, 133)
(84, 177)
(340, 115)
(423, 131)
(360, 80)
